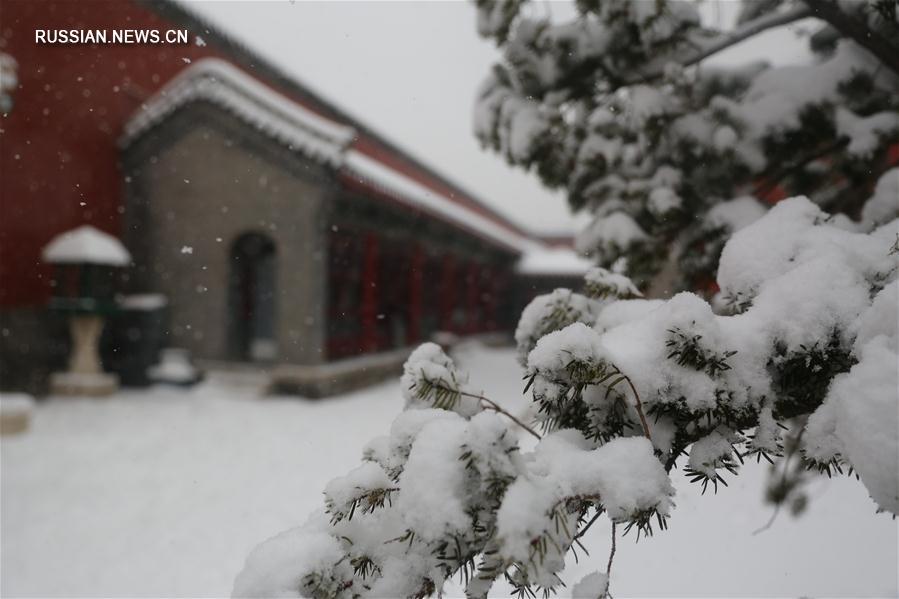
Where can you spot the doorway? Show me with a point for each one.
(252, 298)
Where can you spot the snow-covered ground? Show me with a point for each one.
(164, 492)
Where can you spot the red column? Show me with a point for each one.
(447, 293)
(893, 154)
(494, 285)
(473, 290)
(416, 276)
(369, 311)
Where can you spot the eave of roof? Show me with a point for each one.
(368, 171)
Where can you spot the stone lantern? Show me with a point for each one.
(85, 261)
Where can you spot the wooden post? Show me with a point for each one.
(369, 310)
(416, 277)
(493, 290)
(473, 290)
(447, 293)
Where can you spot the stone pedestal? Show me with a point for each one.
(85, 375)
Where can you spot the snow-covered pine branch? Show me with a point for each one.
(619, 108)
(858, 21)
(450, 492)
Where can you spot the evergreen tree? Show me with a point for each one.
(618, 108)
(798, 363)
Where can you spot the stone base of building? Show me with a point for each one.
(86, 385)
(341, 376)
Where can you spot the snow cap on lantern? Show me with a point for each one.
(85, 259)
(86, 245)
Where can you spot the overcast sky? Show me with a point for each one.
(411, 69)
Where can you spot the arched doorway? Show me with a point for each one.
(252, 295)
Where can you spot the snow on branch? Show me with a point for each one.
(606, 107)
(849, 25)
(702, 49)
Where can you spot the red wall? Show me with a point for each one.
(58, 144)
(59, 141)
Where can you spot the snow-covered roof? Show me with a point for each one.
(217, 81)
(559, 261)
(86, 245)
(225, 85)
(410, 192)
